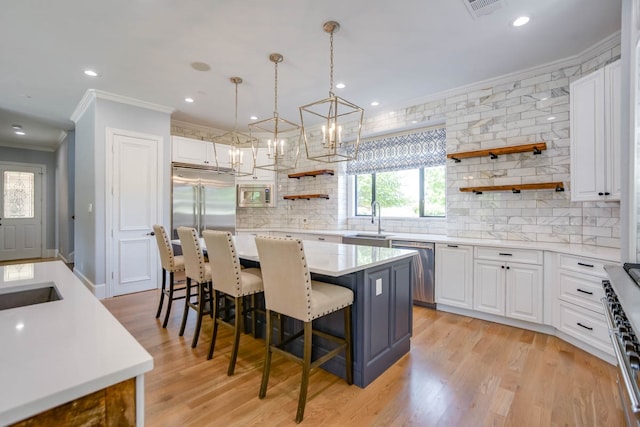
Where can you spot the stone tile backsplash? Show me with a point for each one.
(509, 111)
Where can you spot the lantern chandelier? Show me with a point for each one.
(240, 144)
(329, 120)
(280, 148)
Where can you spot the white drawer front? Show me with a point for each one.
(585, 325)
(583, 265)
(581, 289)
(509, 255)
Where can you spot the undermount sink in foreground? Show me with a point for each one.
(45, 292)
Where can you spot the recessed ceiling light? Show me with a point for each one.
(520, 21)
(375, 103)
(16, 126)
(551, 118)
(19, 132)
(254, 117)
(188, 100)
(91, 73)
(340, 85)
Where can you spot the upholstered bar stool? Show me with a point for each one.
(230, 279)
(289, 290)
(199, 271)
(171, 265)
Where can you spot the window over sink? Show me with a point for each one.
(405, 173)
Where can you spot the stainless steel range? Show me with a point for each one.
(622, 310)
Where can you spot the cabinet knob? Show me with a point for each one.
(606, 193)
(508, 268)
(600, 194)
(502, 267)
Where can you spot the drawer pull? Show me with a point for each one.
(583, 326)
(452, 246)
(584, 292)
(287, 235)
(505, 254)
(585, 265)
(321, 238)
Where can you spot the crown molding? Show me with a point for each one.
(194, 126)
(27, 146)
(578, 59)
(92, 94)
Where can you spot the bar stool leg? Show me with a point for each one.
(170, 302)
(306, 367)
(237, 329)
(216, 314)
(164, 281)
(267, 357)
(202, 291)
(348, 359)
(187, 300)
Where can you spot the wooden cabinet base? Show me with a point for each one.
(112, 406)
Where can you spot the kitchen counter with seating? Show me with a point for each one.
(380, 279)
(62, 351)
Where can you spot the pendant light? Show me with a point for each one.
(278, 140)
(327, 124)
(241, 161)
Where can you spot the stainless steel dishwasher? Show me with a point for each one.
(423, 271)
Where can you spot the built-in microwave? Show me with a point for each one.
(255, 195)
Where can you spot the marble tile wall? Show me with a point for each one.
(507, 111)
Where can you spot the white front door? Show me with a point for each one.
(135, 206)
(21, 214)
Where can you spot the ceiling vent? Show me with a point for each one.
(478, 8)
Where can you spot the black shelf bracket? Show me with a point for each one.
(456, 160)
(493, 156)
(536, 150)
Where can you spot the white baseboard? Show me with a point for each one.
(71, 257)
(98, 290)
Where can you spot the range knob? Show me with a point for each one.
(634, 360)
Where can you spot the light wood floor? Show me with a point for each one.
(460, 372)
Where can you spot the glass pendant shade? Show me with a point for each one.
(331, 126)
(276, 140)
(237, 156)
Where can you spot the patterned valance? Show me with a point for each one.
(414, 150)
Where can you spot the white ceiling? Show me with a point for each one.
(388, 51)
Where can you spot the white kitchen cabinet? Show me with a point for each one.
(192, 151)
(508, 288)
(578, 311)
(454, 275)
(257, 174)
(595, 135)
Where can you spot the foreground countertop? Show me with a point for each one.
(599, 252)
(56, 352)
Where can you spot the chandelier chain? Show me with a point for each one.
(275, 98)
(235, 126)
(331, 63)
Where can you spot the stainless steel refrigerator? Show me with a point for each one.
(202, 199)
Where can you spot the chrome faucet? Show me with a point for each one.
(373, 215)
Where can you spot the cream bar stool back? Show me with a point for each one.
(172, 265)
(199, 271)
(289, 290)
(234, 282)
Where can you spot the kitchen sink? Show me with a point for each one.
(47, 292)
(367, 239)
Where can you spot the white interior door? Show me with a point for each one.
(135, 208)
(21, 214)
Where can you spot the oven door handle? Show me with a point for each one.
(623, 363)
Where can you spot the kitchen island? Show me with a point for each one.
(382, 321)
(69, 358)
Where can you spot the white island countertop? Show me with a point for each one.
(58, 351)
(330, 259)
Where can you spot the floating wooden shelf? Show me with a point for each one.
(307, 196)
(312, 173)
(536, 148)
(558, 186)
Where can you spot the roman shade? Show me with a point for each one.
(423, 148)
